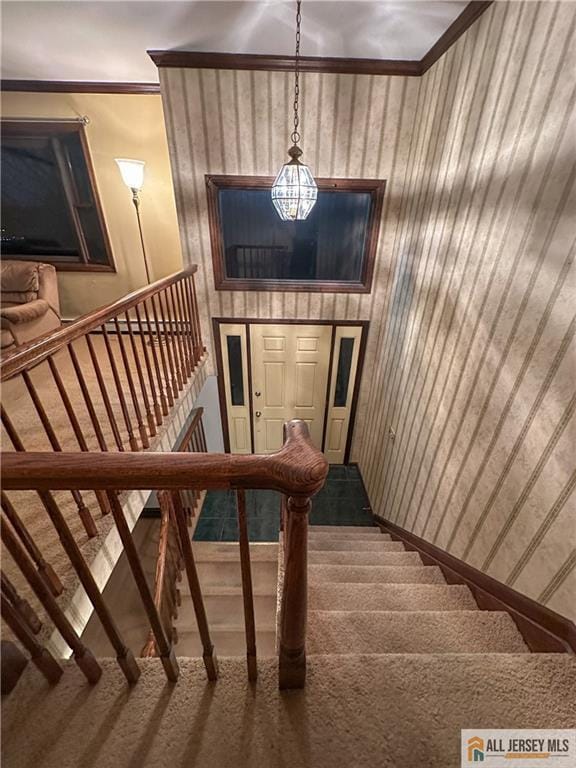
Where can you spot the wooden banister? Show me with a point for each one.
(297, 469)
(29, 355)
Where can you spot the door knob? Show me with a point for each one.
(258, 414)
(257, 394)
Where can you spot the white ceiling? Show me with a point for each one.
(108, 40)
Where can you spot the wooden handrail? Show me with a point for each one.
(297, 469)
(29, 355)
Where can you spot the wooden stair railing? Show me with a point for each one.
(169, 561)
(111, 376)
(298, 471)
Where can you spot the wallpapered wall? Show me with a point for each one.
(476, 362)
(469, 359)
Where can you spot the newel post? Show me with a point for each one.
(292, 650)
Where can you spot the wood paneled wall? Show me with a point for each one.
(470, 359)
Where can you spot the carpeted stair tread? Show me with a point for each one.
(343, 536)
(390, 597)
(384, 557)
(345, 632)
(386, 574)
(227, 641)
(360, 529)
(390, 711)
(350, 545)
(385, 546)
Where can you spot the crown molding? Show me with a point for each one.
(327, 64)
(77, 86)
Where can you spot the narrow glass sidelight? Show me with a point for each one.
(236, 368)
(343, 374)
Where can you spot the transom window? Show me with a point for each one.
(332, 250)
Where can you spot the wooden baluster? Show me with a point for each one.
(196, 344)
(184, 332)
(82, 655)
(140, 375)
(193, 320)
(44, 569)
(172, 301)
(87, 399)
(170, 383)
(41, 657)
(163, 644)
(188, 325)
(124, 655)
(210, 661)
(170, 344)
(21, 606)
(131, 387)
(105, 396)
(76, 428)
(247, 592)
(192, 283)
(292, 650)
(155, 404)
(202, 438)
(120, 390)
(83, 511)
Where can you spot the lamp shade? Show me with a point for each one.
(294, 192)
(132, 172)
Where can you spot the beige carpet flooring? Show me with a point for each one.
(398, 664)
(389, 711)
(20, 408)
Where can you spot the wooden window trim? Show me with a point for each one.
(43, 128)
(375, 187)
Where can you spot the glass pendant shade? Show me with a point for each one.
(132, 172)
(294, 191)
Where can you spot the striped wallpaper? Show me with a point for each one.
(465, 430)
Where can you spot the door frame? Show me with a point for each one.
(247, 321)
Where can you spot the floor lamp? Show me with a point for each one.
(133, 176)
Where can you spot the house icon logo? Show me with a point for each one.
(475, 749)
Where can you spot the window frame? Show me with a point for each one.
(214, 183)
(47, 128)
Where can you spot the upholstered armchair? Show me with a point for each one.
(29, 304)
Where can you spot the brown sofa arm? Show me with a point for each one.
(24, 313)
(48, 286)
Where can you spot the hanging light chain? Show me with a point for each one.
(295, 135)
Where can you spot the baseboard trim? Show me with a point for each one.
(543, 630)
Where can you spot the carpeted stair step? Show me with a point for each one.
(364, 558)
(386, 574)
(345, 632)
(360, 529)
(224, 605)
(385, 546)
(390, 597)
(348, 545)
(227, 641)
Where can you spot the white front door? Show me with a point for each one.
(289, 380)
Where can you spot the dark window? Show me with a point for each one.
(333, 249)
(343, 374)
(50, 207)
(234, 344)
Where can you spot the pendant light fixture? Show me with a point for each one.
(294, 191)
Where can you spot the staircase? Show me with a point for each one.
(367, 595)
(220, 577)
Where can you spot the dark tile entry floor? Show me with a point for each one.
(342, 501)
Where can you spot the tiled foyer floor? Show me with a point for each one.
(342, 501)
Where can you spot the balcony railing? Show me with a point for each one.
(298, 471)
